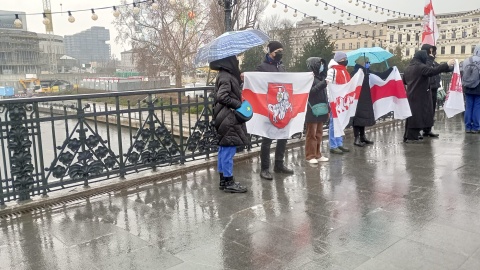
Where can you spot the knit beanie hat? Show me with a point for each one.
(339, 56)
(274, 45)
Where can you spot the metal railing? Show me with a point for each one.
(57, 142)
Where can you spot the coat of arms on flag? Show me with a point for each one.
(279, 102)
(454, 102)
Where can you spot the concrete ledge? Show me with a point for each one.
(161, 174)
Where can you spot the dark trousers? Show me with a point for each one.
(358, 131)
(265, 152)
(434, 102)
(411, 133)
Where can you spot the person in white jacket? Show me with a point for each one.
(337, 74)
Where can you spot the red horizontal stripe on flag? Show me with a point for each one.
(392, 88)
(259, 102)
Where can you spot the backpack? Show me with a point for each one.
(471, 74)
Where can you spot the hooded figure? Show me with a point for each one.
(416, 77)
(230, 133)
(472, 95)
(434, 84)
(318, 94)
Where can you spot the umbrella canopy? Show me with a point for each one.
(374, 54)
(229, 44)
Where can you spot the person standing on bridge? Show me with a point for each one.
(433, 87)
(273, 63)
(231, 133)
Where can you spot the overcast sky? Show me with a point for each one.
(83, 20)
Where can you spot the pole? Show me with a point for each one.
(228, 4)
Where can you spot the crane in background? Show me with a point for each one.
(48, 22)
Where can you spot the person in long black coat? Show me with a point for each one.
(364, 115)
(416, 77)
(230, 132)
(318, 94)
(434, 85)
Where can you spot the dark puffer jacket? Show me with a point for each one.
(318, 92)
(269, 65)
(228, 97)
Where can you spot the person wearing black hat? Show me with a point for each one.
(433, 87)
(416, 77)
(273, 63)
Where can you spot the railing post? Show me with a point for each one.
(120, 141)
(180, 125)
(40, 151)
(81, 134)
(19, 144)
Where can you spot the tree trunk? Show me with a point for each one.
(178, 77)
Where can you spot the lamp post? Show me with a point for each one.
(227, 6)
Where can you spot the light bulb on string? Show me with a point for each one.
(341, 14)
(376, 10)
(363, 6)
(45, 21)
(382, 12)
(274, 5)
(334, 11)
(136, 9)
(295, 13)
(356, 19)
(326, 6)
(285, 9)
(307, 0)
(356, 3)
(350, 1)
(94, 15)
(348, 18)
(370, 7)
(316, 3)
(116, 12)
(17, 23)
(71, 19)
(154, 5)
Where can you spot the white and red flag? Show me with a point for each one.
(430, 30)
(454, 102)
(343, 100)
(279, 102)
(389, 95)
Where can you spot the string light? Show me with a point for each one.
(326, 6)
(45, 21)
(286, 9)
(295, 13)
(274, 5)
(94, 15)
(71, 19)
(136, 9)
(154, 5)
(334, 11)
(316, 3)
(17, 23)
(116, 12)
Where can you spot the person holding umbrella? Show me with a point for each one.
(230, 132)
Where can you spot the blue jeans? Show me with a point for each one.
(472, 112)
(225, 160)
(335, 142)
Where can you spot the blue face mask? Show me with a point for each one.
(321, 69)
(367, 65)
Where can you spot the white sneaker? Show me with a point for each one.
(312, 161)
(322, 159)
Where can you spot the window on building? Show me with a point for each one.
(418, 24)
(350, 46)
(408, 37)
(409, 25)
(336, 46)
(444, 36)
(475, 19)
(454, 21)
(417, 37)
(400, 37)
(464, 34)
(381, 32)
(474, 31)
(442, 50)
(358, 45)
(336, 36)
(473, 49)
(444, 22)
(343, 46)
(365, 44)
(462, 49)
(407, 52)
(454, 34)
(374, 32)
(465, 20)
(391, 38)
(366, 33)
(452, 50)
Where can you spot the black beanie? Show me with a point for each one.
(274, 45)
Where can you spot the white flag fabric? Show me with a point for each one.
(343, 100)
(430, 29)
(389, 95)
(454, 102)
(279, 102)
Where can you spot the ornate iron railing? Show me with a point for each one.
(57, 142)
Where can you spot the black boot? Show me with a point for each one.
(222, 182)
(265, 174)
(358, 142)
(281, 168)
(233, 187)
(365, 140)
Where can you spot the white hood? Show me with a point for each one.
(332, 63)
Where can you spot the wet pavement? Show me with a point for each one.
(389, 206)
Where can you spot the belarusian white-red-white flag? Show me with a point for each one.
(454, 102)
(389, 95)
(343, 100)
(430, 30)
(279, 102)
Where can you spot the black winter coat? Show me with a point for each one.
(364, 116)
(416, 77)
(228, 97)
(270, 66)
(318, 94)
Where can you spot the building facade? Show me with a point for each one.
(19, 52)
(89, 46)
(127, 61)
